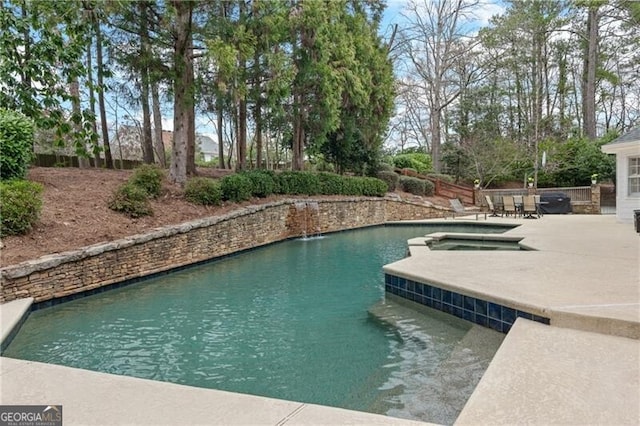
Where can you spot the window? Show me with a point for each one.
(634, 176)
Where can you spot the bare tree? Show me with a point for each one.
(434, 40)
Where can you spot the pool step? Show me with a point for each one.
(440, 369)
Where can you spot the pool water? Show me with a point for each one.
(298, 320)
(467, 244)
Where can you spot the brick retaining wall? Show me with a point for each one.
(64, 274)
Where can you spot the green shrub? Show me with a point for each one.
(331, 183)
(262, 181)
(149, 178)
(324, 166)
(131, 200)
(203, 191)
(386, 167)
(20, 204)
(412, 185)
(418, 161)
(236, 187)
(352, 186)
(16, 144)
(390, 178)
(294, 182)
(373, 187)
(429, 188)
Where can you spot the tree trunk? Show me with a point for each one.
(157, 125)
(435, 139)
(147, 142)
(92, 96)
(220, 123)
(74, 91)
(297, 162)
(181, 57)
(191, 135)
(108, 159)
(241, 91)
(589, 75)
(258, 119)
(242, 134)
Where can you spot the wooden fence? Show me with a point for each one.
(465, 194)
(55, 160)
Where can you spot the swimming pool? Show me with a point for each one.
(298, 320)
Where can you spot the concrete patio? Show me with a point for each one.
(582, 369)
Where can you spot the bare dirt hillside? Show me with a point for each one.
(75, 213)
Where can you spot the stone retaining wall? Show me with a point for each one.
(64, 274)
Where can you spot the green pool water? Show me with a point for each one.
(300, 320)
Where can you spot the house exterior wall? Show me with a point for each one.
(95, 267)
(625, 203)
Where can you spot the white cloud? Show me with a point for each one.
(487, 9)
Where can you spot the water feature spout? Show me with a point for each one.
(313, 218)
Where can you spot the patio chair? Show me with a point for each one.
(458, 208)
(517, 201)
(538, 207)
(529, 207)
(492, 208)
(508, 205)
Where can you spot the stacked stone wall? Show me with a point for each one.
(66, 274)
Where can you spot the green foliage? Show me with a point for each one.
(149, 178)
(390, 178)
(429, 188)
(205, 191)
(16, 144)
(577, 159)
(35, 79)
(413, 185)
(373, 187)
(323, 165)
(455, 161)
(331, 183)
(294, 182)
(309, 183)
(213, 163)
(419, 161)
(385, 167)
(131, 200)
(352, 186)
(20, 204)
(262, 181)
(236, 187)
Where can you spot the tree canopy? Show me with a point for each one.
(288, 83)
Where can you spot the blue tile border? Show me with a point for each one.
(482, 312)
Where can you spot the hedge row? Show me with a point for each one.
(416, 186)
(263, 183)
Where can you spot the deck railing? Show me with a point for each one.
(576, 193)
(584, 199)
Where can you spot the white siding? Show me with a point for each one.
(625, 203)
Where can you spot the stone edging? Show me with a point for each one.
(63, 274)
